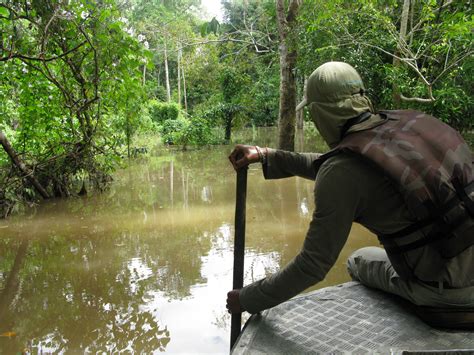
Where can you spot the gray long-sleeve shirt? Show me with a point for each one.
(347, 189)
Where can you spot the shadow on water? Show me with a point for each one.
(146, 265)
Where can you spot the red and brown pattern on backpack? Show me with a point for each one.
(419, 152)
(431, 165)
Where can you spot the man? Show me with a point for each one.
(404, 175)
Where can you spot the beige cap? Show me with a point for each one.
(334, 94)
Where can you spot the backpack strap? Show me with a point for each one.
(441, 229)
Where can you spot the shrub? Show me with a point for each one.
(162, 111)
(196, 131)
(199, 132)
(172, 131)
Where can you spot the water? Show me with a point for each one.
(146, 266)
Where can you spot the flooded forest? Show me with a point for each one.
(116, 121)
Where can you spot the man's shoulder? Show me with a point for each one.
(346, 166)
(344, 161)
(347, 174)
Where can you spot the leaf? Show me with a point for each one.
(105, 15)
(4, 12)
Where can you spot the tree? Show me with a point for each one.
(288, 55)
(411, 54)
(246, 47)
(231, 84)
(63, 65)
(165, 26)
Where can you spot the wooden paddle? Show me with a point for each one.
(239, 246)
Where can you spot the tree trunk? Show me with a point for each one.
(404, 20)
(300, 113)
(299, 140)
(288, 55)
(179, 79)
(401, 39)
(21, 166)
(184, 91)
(299, 120)
(127, 133)
(412, 12)
(172, 183)
(167, 76)
(228, 127)
(158, 81)
(12, 284)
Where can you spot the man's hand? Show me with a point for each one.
(233, 302)
(243, 155)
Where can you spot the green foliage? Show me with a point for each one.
(162, 111)
(212, 26)
(236, 81)
(80, 80)
(199, 132)
(172, 130)
(231, 83)
(196, 131)
(163, 27)
(202, 74)
(435, 55)
(65, 68)
(454, 106)
(262, 99)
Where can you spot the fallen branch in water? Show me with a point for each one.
(27, 173)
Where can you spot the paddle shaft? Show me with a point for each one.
(239, 246)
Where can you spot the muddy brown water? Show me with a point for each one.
(145, 266)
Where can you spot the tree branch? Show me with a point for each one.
(40, 59)
(224, 40)
(423, 20)
(27, 173)
(417, 99)
(15, 16)
(455, 62)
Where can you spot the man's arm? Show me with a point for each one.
(337, 205)
(281, 164)
(276, 164)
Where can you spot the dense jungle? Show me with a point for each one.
(82, 82)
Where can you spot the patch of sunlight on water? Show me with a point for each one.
(145, 266)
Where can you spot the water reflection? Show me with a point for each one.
(145, 267)
(206, 194)
(67, 294)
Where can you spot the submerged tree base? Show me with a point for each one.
(69, 174)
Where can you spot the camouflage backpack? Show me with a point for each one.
(432, 166)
